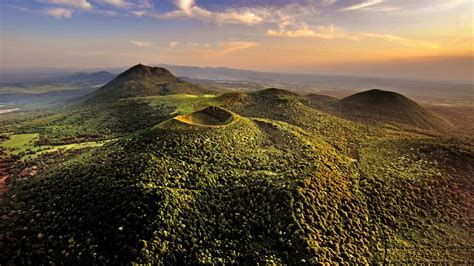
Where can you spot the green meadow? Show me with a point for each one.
(24, 145)
(184, 103)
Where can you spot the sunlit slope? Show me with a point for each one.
(132, 101)
(381, 107)
(420, 192)
(247, 192)
(281, 105)
(140, 81)
(255, 178)
(211, 116)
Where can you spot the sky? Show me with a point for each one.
(416, 39)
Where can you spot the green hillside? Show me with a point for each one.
(289, 107)
(265, 177)
(137, 99)
(211, 116)
(193, 190)
(140, 81)
(379, 106)
(319, 101)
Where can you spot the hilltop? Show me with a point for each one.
(211, 116)
(386, 107)
(292, 108)
(275, 93)
(120, 107)
(141, 81)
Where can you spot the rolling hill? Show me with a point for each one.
(233, 193)
(141, 81)
(389, 107)
(289, 107)
(121, 106)
(238, 178)
(384, 107)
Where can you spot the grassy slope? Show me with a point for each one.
(62, 125)
(252, 178)
(421, 192)
(20, 142)
(184, 103)
(385, 107)
(248, 178)
(384, 166)
(108, 120)
(289, 107)
(142, 81)
(24, 146)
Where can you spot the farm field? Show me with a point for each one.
(24, 146)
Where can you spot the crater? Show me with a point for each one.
(209, 116)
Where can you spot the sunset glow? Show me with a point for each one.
(360, 37)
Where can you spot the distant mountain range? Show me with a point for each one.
(295, 82)
(52, 89)
(26, 79)
(308, 82)
(94, 77)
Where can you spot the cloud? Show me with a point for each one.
(81, 4)
(124, 4)
(401, 40)
(141, 44)
(145, 4)
(293, 17)
(194, 44)
(245, 17)
(59, 12)
(382, 9)
(138, 13)
(362, 5)
(226, 48)
(118, 3)
(328, 2)
(109, 13)
(323, 32)
(173, 44)
(333, 32)
(24, 9)
(220, 49)
(190, 9)
(186, 6)
(292, 13)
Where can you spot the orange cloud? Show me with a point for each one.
(59, 12)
